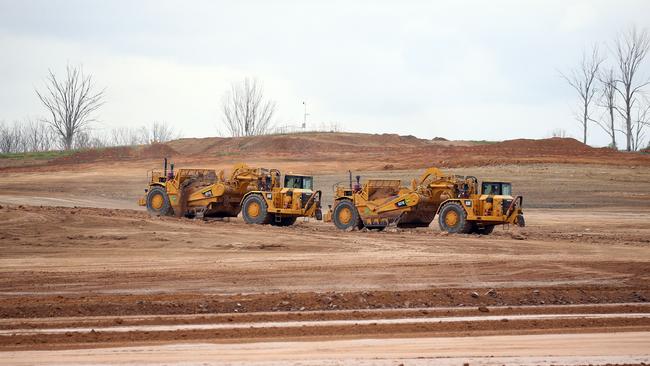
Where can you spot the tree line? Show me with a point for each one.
(72, 100)
(611, 91)
(36, 135)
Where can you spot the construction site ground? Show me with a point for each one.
(86, 276)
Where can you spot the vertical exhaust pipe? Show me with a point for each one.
(350, 175)
(165, 169)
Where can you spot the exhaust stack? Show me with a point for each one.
(350, 175)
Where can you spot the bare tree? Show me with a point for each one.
(86, 139)
(583, 80)
(38, 136)
(6, 138)
(70, 102)
(245, 111)
(158, 132)
(12, 138)
(607, 100)
(631, 48)
(639, 124)
(124, 136)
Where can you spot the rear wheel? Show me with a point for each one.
(453, 219)
(255, 211)
(345, 215)
(158, 202)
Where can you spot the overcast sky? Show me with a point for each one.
(458, 69)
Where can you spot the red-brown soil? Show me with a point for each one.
(358, 151)
(101, 262)
(403, 151)
(146, 152)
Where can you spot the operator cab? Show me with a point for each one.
(303, 182)
(496, 188)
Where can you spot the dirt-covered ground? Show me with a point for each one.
(86, 276)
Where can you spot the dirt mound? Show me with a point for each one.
(295, 143)
(194, 146)
(387, 148)
(153, 151)
(362, 151)
(555, 144)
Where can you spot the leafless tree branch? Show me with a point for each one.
(245, 111)
(630, 48)
(70, 102)
(607, 100)
(158, 132)
(583, 80)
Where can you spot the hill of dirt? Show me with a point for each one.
(295, 143)
(394, 151)
(361, 151)
(119, 153)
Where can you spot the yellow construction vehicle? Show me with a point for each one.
(282, 204)
(460, 205)
(204, 193)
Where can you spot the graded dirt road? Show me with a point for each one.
(105, 283)
(547, 349)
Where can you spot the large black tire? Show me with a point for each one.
(453, 219)
(484, 230)
(255, 211)
(345, 215)
(158, 202)
(284, 221)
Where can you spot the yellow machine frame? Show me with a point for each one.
(455, 199)
(201, 192)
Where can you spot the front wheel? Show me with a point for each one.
(255, 211)
(453, 219)
(345, 215)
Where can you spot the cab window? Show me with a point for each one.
(498, 189)
(298, 182)
(491, 188)
(308, 183)
(506, 189)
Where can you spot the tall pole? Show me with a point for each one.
(304, 118)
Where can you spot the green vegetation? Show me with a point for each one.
(37, 155)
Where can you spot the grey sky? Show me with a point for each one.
(458, 69)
